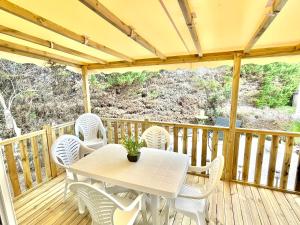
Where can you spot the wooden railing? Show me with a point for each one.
(260, 157)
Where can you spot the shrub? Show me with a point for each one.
(280, 81)
(128, 78)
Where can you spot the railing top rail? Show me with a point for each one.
(268, 132)
(63, 125)
(22, 137)
(172, 124)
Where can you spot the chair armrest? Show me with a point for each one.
(200, 196)
(137, 201)
(84, 150)
(199, 169)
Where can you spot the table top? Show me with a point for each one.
(157, 172)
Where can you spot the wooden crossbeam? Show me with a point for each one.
(48, 44)
(189, 20)
(272, 10)
(10, 47)
(220, 56)
(102, 11)
(43, 22)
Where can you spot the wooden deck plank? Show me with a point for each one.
(268, 207)
(231, 204)
(286, 208)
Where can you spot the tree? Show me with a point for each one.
(15, 85)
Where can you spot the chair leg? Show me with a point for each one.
(66, 190)
(144, 211)
(207, 204)
(167, 215)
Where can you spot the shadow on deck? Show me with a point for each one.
(231, 204)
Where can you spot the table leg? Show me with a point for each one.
(155, 209)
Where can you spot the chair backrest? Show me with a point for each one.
(65, 150)
(215, 173)
(100, 205)
(156, 137)
(88, 125)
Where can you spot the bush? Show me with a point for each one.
(128, 78)
(280, 81)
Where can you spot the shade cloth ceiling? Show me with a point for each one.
(222, 25)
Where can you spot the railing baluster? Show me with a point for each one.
(297, 180)
(235, 155)
(194, 146)
(175, 134)
(185, 141)
(36, 159)
(224, 150)
(286, 162)
(259, 158)
(247, 154)
(129, 129)
(109, 132)
(122, 130)
(61, 131)
(272, 161)
(46, 155)
(204, 147)
(12, 169)
(25, 163)
(136, 131)
(215, 140)
(116, 133)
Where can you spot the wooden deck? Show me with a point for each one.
(231, 204)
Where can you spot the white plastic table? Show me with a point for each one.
(158, 172)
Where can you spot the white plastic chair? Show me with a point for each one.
(156, 137)
(193, 202)
(89, 125)
(66, 150)
(105, 209)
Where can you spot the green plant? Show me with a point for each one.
(295, 126)
(133, 147)
(279, 83)
(128, 78)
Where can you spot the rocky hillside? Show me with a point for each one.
(52, 94)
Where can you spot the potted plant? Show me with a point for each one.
(133, 148)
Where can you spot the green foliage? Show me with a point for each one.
(279, 82)
(128, 78)
(133, 147)
(217, 90)
(295, 126)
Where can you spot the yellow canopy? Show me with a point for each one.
(221, 26)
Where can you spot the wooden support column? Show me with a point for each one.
(233, 112)
(86, 90)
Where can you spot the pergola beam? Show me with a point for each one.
(189, 20)
(46, 43)
(43, 22)
(103, 12)
(86, 89)
(10, 47)
(220, 56)
(272, 10)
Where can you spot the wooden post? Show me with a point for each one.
(233, 112)
(86, 89)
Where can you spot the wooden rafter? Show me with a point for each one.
(49, 44)
(43, 22)
(189, 20)
(272, 10)
(102, 11)
(220, 56)
(173, 24)
(34, 53)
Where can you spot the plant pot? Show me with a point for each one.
(133, 158)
